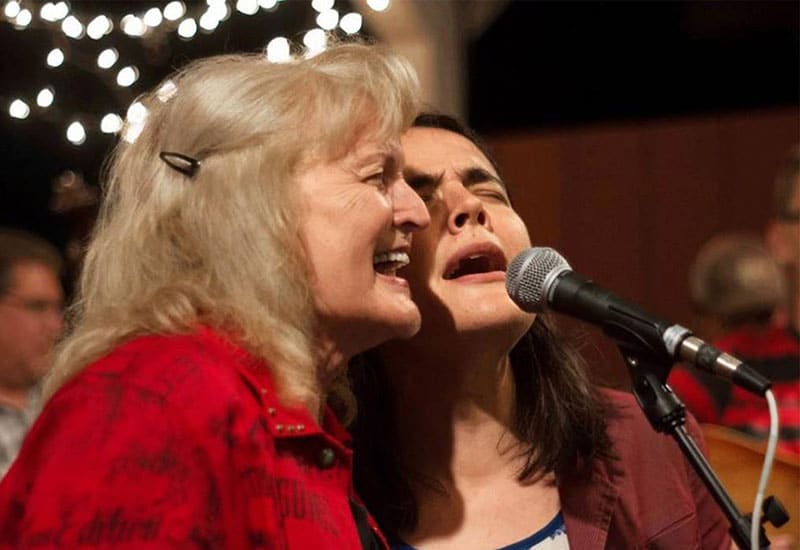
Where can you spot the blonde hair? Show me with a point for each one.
(222, 248)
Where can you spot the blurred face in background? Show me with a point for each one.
(30, 321)
(783, 239)
(790, 228)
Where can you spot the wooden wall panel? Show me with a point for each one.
(630, 204)
(683, 195)
(532, 167)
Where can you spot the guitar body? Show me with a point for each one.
(738, 459)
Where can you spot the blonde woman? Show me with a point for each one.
(246, 249)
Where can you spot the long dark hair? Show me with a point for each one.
(559, 415)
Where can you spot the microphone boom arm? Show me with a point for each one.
(667, 414)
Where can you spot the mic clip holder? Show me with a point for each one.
(667, 414)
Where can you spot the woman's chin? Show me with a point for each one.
(508, 322)
(407, 324)
(401, 325)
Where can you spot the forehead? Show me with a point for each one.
(436, 150)
(367, 149)
(34, 279)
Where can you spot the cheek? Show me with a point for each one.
(423, 247)
(514, 235)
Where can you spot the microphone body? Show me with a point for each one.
(539, 279)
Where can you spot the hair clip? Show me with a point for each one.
(182, 163)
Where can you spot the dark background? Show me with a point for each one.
(538, 65)
(568, 63)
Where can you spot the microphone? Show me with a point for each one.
(540, 279)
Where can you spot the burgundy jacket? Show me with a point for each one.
(179, 442)
(649, 498)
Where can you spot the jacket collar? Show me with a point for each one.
(282, 421)
(588, 501)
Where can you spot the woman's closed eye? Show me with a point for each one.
(426, 193)
(377, 179)
(493, 193)
(423, 185)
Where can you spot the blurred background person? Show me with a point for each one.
(737, 288)
(30, 320)
(736, 284)
(783, 234)
(246, 248)
(748, 286)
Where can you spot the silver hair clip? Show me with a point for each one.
(184, 164)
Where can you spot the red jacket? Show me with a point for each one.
(178, 442)
(649, 498)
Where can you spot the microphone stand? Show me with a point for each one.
(667, 414)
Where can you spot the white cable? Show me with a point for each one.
(772, 443)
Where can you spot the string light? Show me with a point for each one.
(23, 19)
(76, 133)
(278, 50)
(351, 23)
(55, 58)
(132, 25)
(12, 9)
(315, 40)
(137, 112)
(209, 21)
(72, 27)
(107, 58)
(247, 7)
(48, 12)
(99, 27)
(218, 11)
(167, 91)
(127, 76)
(187, 29)
(152, 17)
(45, 97)
(111, 123)
(136, 117)
(328, 19)
(61, 10)
(19, 109)
(322, 5)
(174, 10)
(378, 5)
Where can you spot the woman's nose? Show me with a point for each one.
(466, 209)
(410, 212)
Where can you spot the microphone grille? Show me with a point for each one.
(530, 274)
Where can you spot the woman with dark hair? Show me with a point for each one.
(483, 430)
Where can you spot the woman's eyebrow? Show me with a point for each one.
(475, 175)
(418, 179)
(373, 158)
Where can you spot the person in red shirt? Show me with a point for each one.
(752, 289)
(483, 430)
(254, 219)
